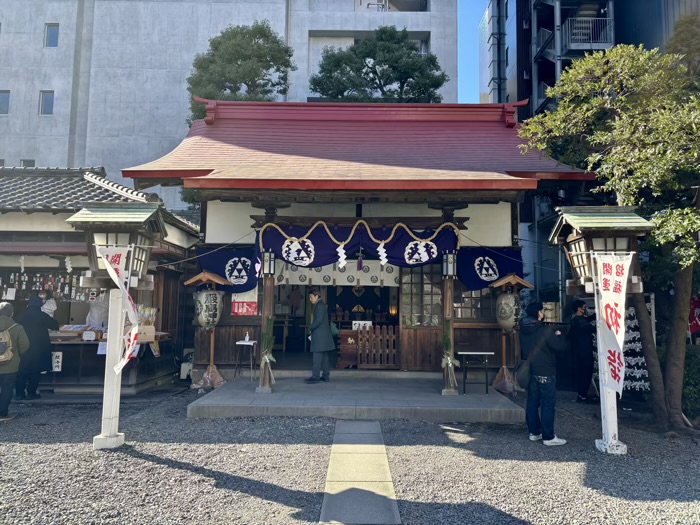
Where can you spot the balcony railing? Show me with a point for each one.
(588, 33)
(542, 88)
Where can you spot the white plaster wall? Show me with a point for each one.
(488, 224)
(35, 222)
(120, 77)
(178, 237)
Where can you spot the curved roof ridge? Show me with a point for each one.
(116, 187)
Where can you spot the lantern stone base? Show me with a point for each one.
(449, 392)
(102, 442)
(263, 390)
(612, 447)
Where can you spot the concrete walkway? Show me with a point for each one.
(359, 489)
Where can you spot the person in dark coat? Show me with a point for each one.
(38, 359)
(322, 342)
(539, 344)
(8, 369)
(581, 336)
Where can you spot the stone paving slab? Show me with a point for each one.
(358, 427)
(360, 504)
(358, 397)
(359, 488)
(358, 467)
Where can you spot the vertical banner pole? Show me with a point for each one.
(110, 437)
(610, 443)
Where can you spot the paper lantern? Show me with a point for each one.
(208, 307)
(506, 311)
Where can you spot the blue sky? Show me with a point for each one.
(470, 14)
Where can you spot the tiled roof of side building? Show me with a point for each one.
(61, 189)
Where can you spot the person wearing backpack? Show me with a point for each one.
(13, 344)
(38, 359)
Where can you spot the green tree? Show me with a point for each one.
(386, 67)
(686, 41)
(630, 116)
(242, 63)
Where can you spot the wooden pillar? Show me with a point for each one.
(268, 310)
(448, 320)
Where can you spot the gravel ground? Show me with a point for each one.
(272, 471)
(492, 474)
(171, 471)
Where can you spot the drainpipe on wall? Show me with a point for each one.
(557, 39)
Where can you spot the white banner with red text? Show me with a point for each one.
(612, 274)
(115, 258)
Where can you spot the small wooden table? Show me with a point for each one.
(252, 352)
(477, 357)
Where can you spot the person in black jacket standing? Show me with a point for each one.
(38, 359)
(581, 336)
(322, 342)
(539, 344)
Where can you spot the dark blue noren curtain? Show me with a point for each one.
(236, 265)
(477, 268)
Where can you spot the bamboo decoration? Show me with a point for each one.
(266, 357)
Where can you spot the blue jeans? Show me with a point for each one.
(541, 394)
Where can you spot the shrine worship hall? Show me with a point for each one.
(403, 217)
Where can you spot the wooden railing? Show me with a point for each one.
(377, 347)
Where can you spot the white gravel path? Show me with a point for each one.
(492, 474)
(272, 471)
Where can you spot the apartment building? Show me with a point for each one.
(103, 82)
(526, 44)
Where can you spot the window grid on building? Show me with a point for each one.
(46, 103)
(51, 35)
(4, 102)
(474, 305)
(421, 296)
(27, 163)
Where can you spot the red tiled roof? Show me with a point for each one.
(354, 147)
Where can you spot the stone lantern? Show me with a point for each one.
(584, 230)
(595, 238)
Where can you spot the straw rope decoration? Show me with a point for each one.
(354, 228)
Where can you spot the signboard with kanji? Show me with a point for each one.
(241, 308)
(612, 273)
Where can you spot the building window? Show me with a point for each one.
(2, 163)
(26, 163)
(474, 305)
(4, 102)
(421, 296)
(46, 103)
(51, 35)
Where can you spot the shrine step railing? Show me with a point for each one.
(377, 347)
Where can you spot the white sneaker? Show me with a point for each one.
(535, 437)
(554, 442)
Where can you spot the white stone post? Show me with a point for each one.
(110, 437)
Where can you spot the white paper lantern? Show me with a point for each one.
(208, 306)
(506, 311)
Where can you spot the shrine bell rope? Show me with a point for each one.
(367, 227)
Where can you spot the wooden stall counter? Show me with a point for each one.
(83, 366)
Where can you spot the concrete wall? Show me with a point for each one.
(488, 224)
(119, 72)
